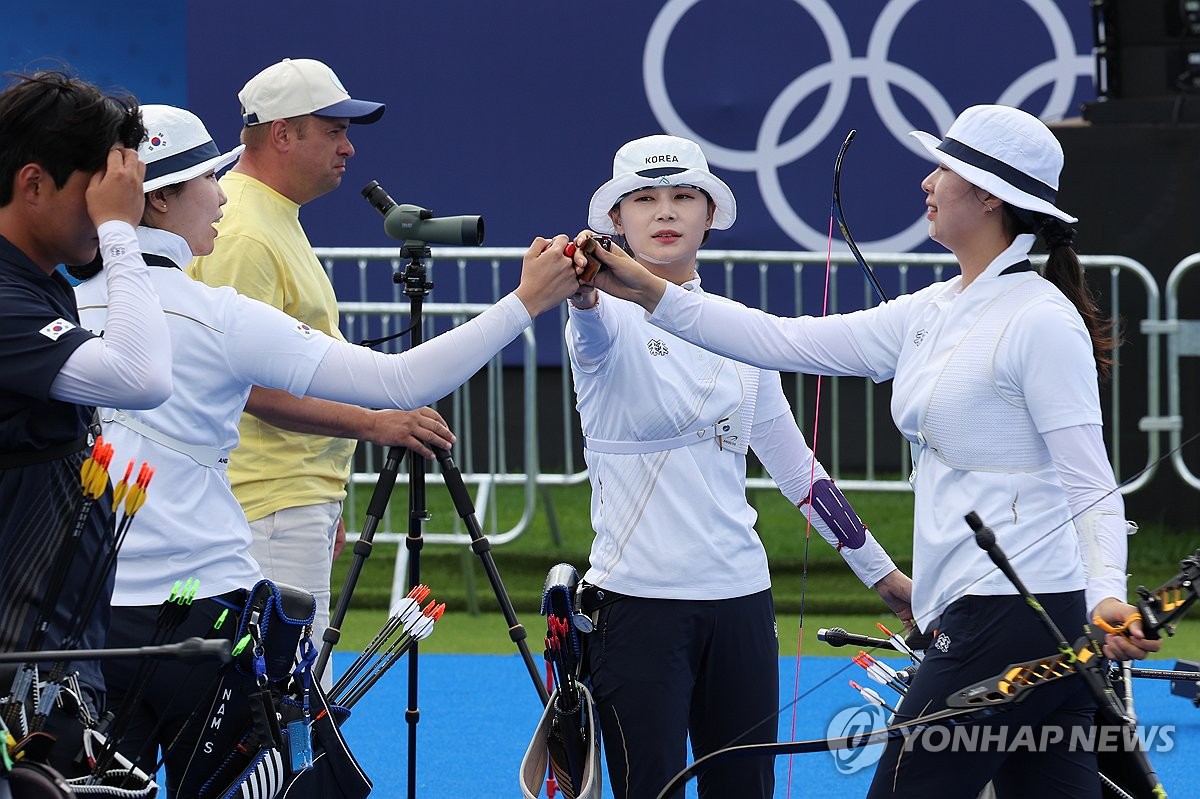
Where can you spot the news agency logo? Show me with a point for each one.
(1103, 739)
(853, 722)
(856, 722)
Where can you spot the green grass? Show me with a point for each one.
(832, 595)
(487, 634)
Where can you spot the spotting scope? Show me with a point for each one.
(416, 226)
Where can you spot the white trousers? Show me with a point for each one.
(295, 546)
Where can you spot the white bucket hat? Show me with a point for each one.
(1005, 152)
(178, 147)
(660, 161)
(298, 86)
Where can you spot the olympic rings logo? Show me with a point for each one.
(1061, 72)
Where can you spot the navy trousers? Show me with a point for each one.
(975, 639)
(193, 711)
(663, 670)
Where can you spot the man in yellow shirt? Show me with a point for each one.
(296, 117)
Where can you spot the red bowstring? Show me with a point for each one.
(812, 473)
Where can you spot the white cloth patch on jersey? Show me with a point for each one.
(56, 328)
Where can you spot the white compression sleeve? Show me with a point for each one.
(408, 380)
(589, 335)
(130, 367)
(1082, 464)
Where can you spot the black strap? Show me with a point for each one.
(593, 597)
(1024, 266)
(234, 600)
(158, 260)
(16, 460)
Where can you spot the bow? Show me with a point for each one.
(835, 213)
(1084, 659)
(840, 216)
(911, 727)
(812, 473)
(988, 697)
(1169, 602)
(1163, 607)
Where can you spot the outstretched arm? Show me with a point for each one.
(408, 380)
(416, 430)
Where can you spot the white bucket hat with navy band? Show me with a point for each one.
(178, 147)
(1005, 152)
(298, 86)
(654, 161)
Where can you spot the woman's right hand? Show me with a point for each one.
(548, 275)
(896, 590)
(623, 276)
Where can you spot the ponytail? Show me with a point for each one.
(1065, 272)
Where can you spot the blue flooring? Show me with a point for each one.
(478, 712)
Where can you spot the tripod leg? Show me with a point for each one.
(483, 548)
(362, 551)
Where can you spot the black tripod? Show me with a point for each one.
(414, 278)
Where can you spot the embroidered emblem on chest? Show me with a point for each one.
(657, 347)
(919, 337)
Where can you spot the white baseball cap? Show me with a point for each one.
(1005, 152)
(298, 86)
(178, 147)
(660, 160)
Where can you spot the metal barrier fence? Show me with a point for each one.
(864, 450)
(1182, 341)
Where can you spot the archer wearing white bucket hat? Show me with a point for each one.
(995, 386)
(1004, 151)
(177, 151)
(178, 147)
(667, 429)
(660, 160)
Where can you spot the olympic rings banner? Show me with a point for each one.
(513, 109)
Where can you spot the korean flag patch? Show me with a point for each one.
(56, 328)
(304, 330)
